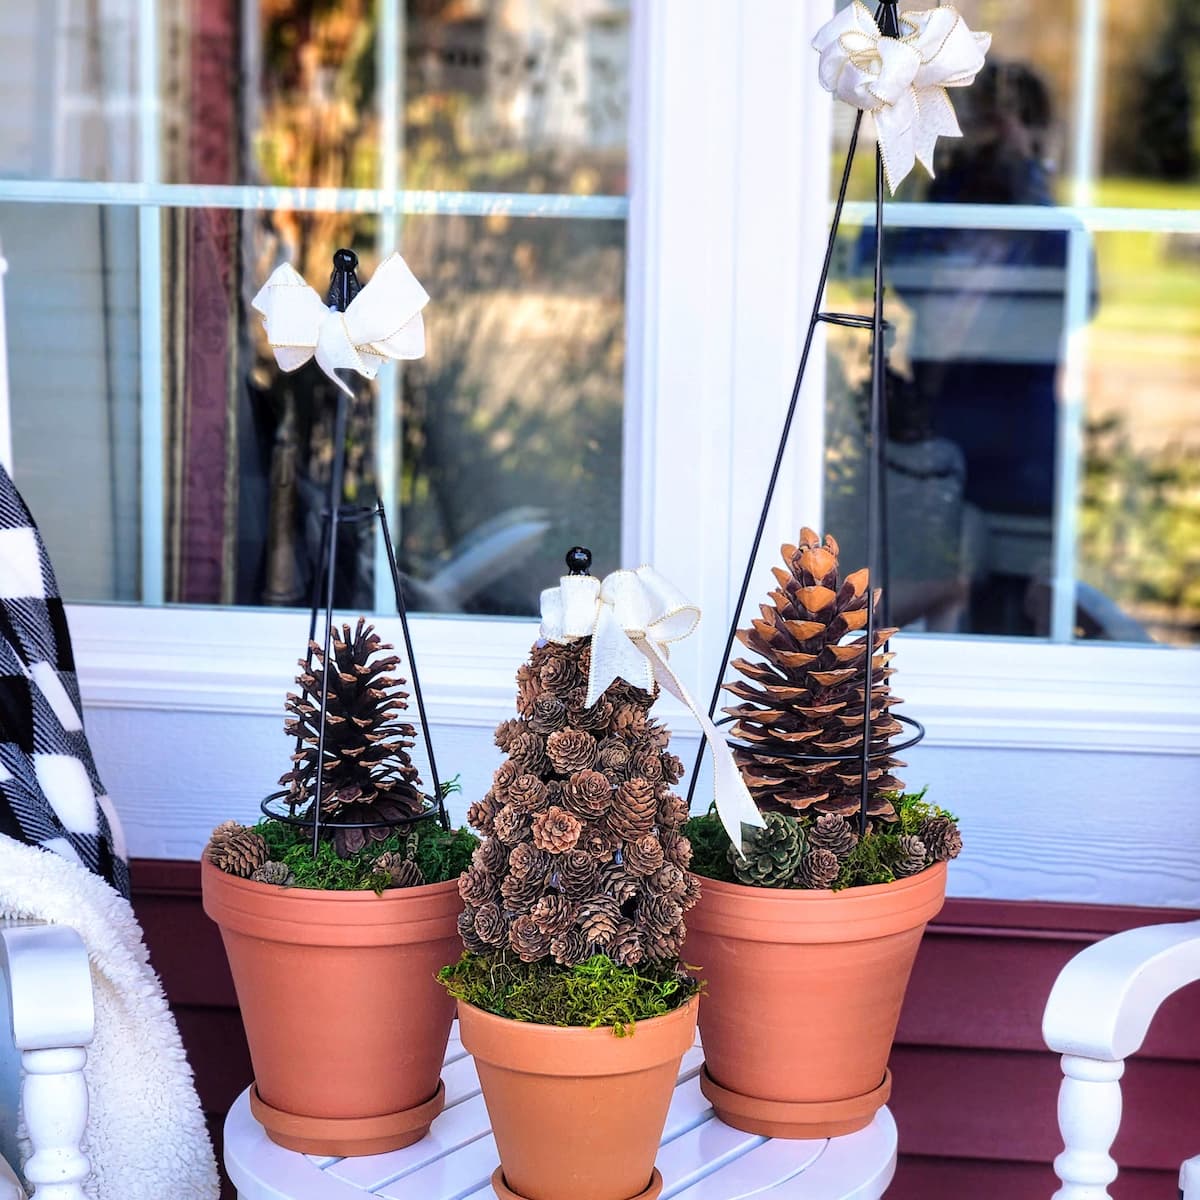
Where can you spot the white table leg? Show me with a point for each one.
(1089, 1115)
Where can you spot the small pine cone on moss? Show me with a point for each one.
(672, 811)
(817, 869)
(526, 861)
(553, 914)
(588, 794)
(625, 949)
(668, 880)
(598, 919)
(614, 758)
(521, 894)
(644, 856)
(634, 809)
(402, 872)
(578, 874)
(491, 856)
(571, 750)
(506, 731)
(559, 676)
(570, 948)
(528, 750)
(489, 925)
(677, 849)
(556, 831)
(911, 856)
(276, 873)
(616, 881)
(466, 930)
(658, 914)
(239, 851)
(600, 844)
(529, 942)
(549, 714)
(477, 886)
(527, 794)
(942, 838)
(831, 832)
(511, 825)
(594, 719)
(482, 814)
(672, 767)
(771, 853)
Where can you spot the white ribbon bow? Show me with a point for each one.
(902, 80)
(632, 618)
(383, 321)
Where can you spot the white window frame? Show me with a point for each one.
(726, 230)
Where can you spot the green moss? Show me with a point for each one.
(597, 992)
(440, 853)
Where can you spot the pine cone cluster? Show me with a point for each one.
(236, 849)
(805, 693)
(368, 774)
(583, 851)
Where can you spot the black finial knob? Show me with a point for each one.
(579, 560)
(343, 283)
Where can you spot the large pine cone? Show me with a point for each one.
(772, 853)
(556, 831)
(634, 809)
(831, 832)
(659, 915)
(236, 849)
(672, 811)
(599, 843)
(528, 751)
(942, 838)
(818, 869)
(668, 880)
(491, 855)
(912, 856)
(809, 693)
(560, 676)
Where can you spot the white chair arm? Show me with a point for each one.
(1189, 1180)
(1105, 998)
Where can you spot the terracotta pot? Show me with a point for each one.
(804, 993)
(346, 1023)
(577, 1113)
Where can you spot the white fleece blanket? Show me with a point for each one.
(146, 1137)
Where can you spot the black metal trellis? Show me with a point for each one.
(887, 18)
(343, 287)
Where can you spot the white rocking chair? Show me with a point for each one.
(1098, 1014)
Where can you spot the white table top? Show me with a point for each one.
(701, 1158)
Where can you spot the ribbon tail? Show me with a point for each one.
(614, 656)
(735, 806)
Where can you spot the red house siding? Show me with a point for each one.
(975, 1089)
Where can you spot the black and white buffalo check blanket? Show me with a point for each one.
(50, 793)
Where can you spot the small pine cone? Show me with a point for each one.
(549, 714)
(466, 930)
(570, 948)
(614, 758)
(489, 925)
(491, 856)
(658, 914)
(578, 874)
(831, 832)
(942, 838)
(600, 844)
(556, 831)
(521, 894)
(511, 826)
(634, 809)
(644, 856)
(629, 722)
(594, 719)
(571, 750)
(527, 794)
(402, 872)
(529, 688)
(672, 811)
(477, 886)
(239, 851)
(691, 891)
(588, 794)
(677, 849)
(482, 814)
(528, 750)
(276, 873)
(770, 854)
(911, 859)
(625, 949)
(662, 947)
(817, 869)
(506, 772)
(668, 880)
(559, 675)
(553, 914)
(529, 942)
(598, 919)
(506, 731)
(672, 768)
(617, 882)
(648, 764)
(528, 862)
(657, 736)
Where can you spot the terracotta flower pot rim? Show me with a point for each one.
(577, 1050)
(805, 915)
(504, 1192)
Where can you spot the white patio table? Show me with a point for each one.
(701, 1158)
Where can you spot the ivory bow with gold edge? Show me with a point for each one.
(382, 322)
(632, 618)
(902, 81)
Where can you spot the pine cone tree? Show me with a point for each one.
(276, 873)
(808, 694)
(771, 854)
(831, 832)
(236, 849)
(817, 869)
(368, 774)
(911, 859)
(942, 839)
